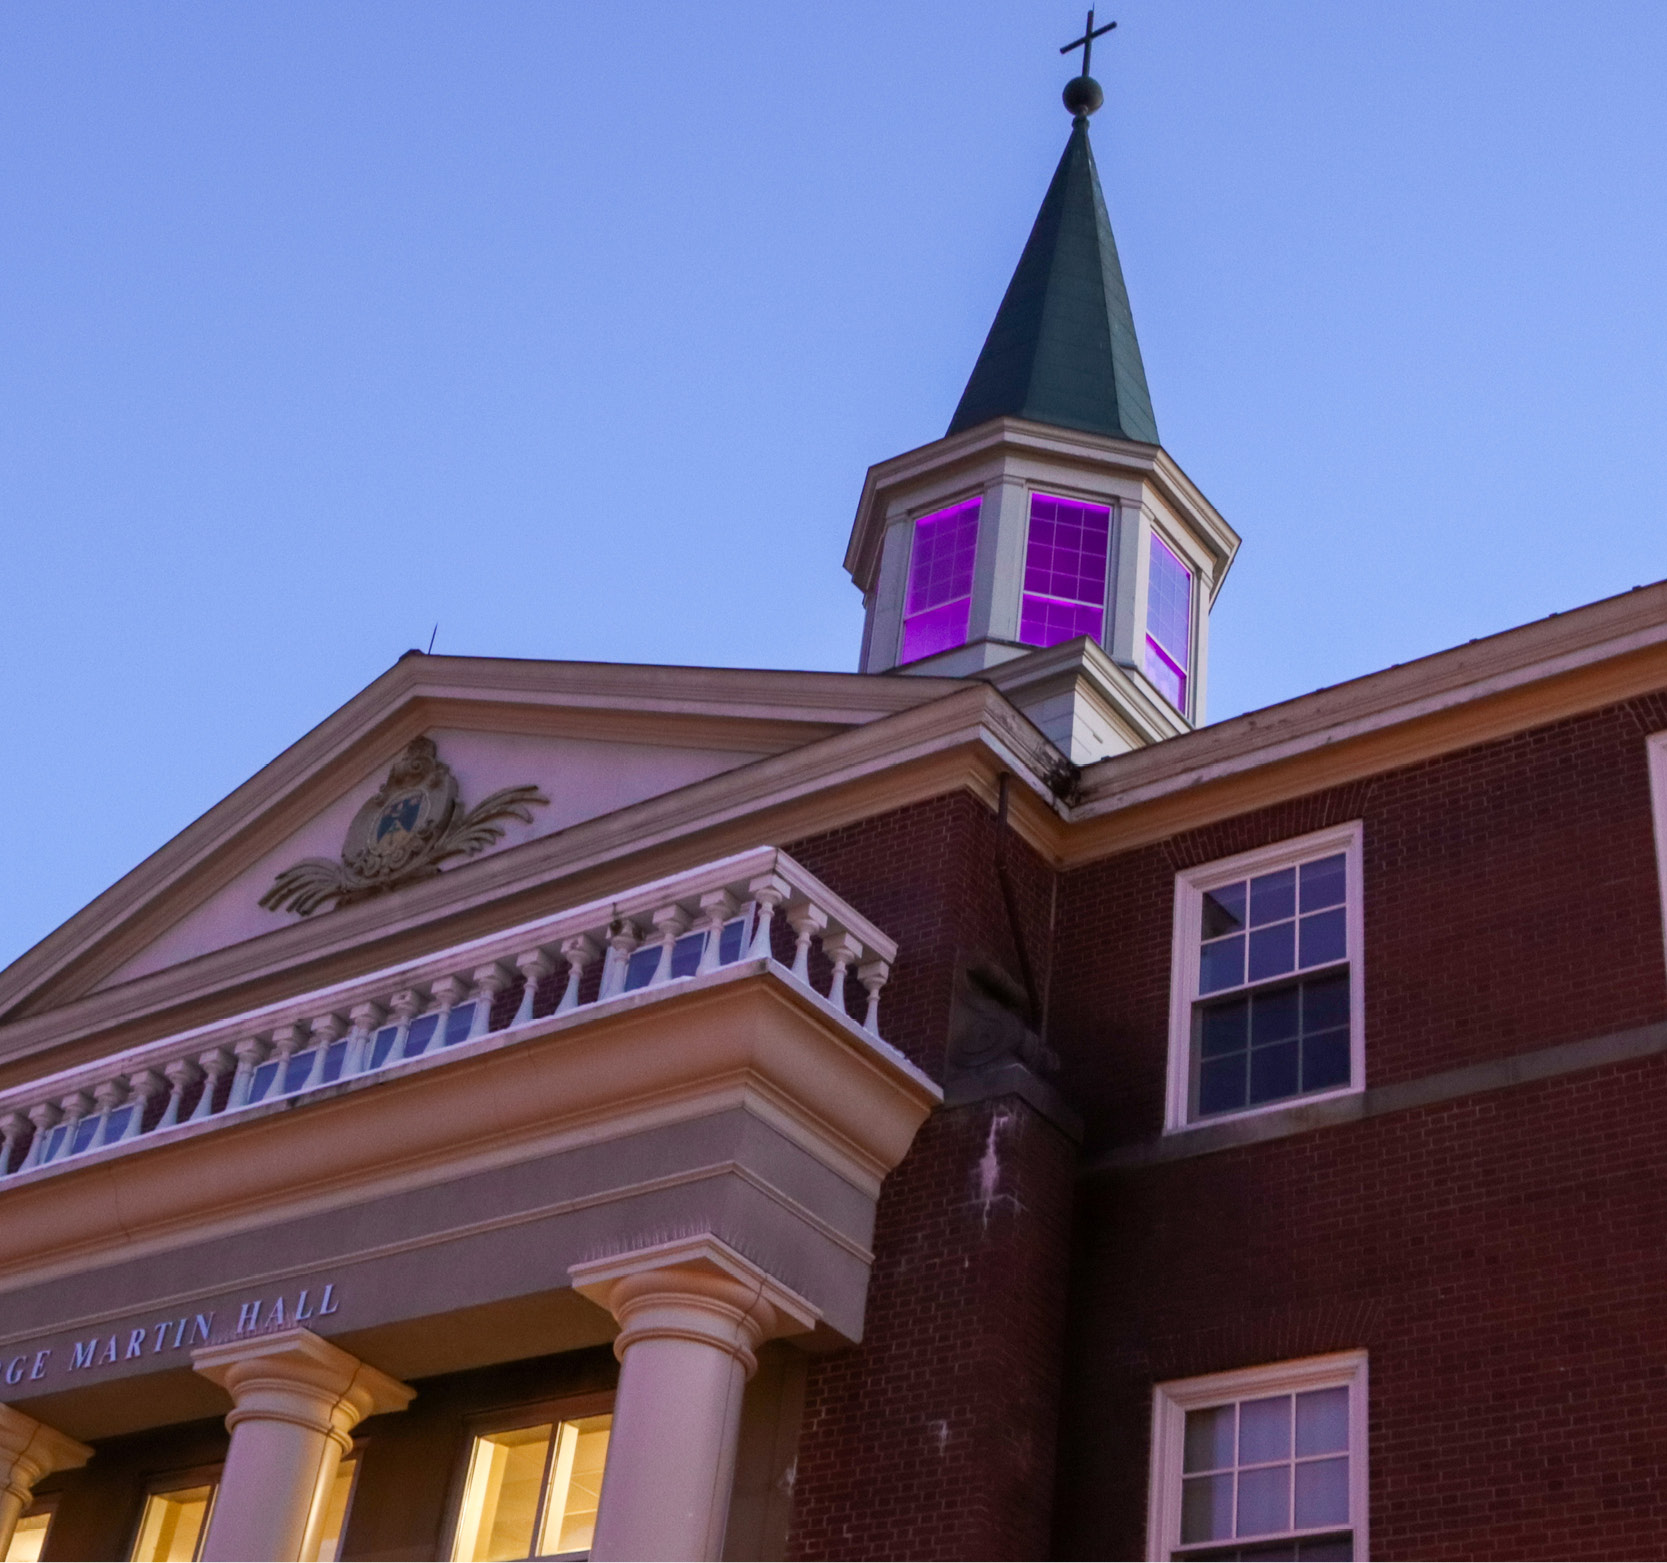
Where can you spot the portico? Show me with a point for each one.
(683, 1164)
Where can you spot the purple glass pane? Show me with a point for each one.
(1169, 605)
(1065, 568)
(1045, 621)
(938, 629)
(940, 564)
(1170, 680)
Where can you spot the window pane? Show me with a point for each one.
(335, 1513)
(1273, 951)
(1273, 1072)
(1044, 621)
(1325, 1002)
(1206, 1507)
(575, 1486)
(1273, 897)
(1221, 1028)
(1221, 965)
(732, 940)
(172, 1524)
(1323, 1421)
(28, 1539)
(1171, 682)
(1322, 1493)
(500, 1496)
(1331, 1549)
(1324, 938)
(1264, 1500)
(1273, 1016)
(1224, 909)
(640, 967)
(382, 1046)
(1221, 1085)
(1325, 1061)
(1210, 1439)
(686, 953)
(458, 1024)
(1169, 605)
(1323, 882)
(938, 629)
(1265, 1430)
(420, 1034)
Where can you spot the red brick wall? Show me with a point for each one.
(1502, 1257)
(934, 1438)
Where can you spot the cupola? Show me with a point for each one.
(1048, 542)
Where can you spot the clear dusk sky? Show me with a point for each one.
(574, 328)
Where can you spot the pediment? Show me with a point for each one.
(577, 778)
(586, 740)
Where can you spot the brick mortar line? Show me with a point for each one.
(1448, 1085)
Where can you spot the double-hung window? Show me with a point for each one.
(1169, 624)
(1266, 1000)
(938, 603)
(173, 1524)
(1065, 571)
(1267, 1462)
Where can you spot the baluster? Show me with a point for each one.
(405, 1006)
(671, 923)
(490, 981)
(324, 1030)
(448, 990)
(367, 1019)
(108, 1097)
(45, 1117)
(251, 1054)
(807, 921)
(182, 1075)
(770, 890)
(534, 966)
(623, 937)
(75, 1107)
(843, 949)
(216, 1064)
(13, 1127)
(872, 975)
(147, 1086)
(716, 907)
(578, 951)
(286, 1043)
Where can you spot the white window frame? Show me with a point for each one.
(1190, 887)
(1172, 1401)
(1655, 748)
(1183, 555)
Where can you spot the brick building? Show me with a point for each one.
(964, 1108)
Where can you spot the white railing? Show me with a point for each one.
(656, 936)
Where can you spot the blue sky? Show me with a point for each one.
(574, 328)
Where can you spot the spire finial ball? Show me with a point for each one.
(1082, 96)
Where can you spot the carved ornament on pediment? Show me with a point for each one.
(403, 833)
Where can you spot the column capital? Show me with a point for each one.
(30, 1450)
(294, 1376)
(696, 1289)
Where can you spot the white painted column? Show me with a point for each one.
(29, 1450)
(691, 1315)
(295, 1402)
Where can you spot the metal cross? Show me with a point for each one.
(1086, 42)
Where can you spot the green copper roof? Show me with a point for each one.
(1063, 349)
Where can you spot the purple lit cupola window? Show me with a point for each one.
(1168, 623)
(940, 581)
(1065, 571)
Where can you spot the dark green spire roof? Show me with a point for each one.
(1063, 349)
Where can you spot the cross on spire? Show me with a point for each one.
(1086, 42)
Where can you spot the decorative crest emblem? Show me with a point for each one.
(412, 825)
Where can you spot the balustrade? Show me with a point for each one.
(650, 939)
